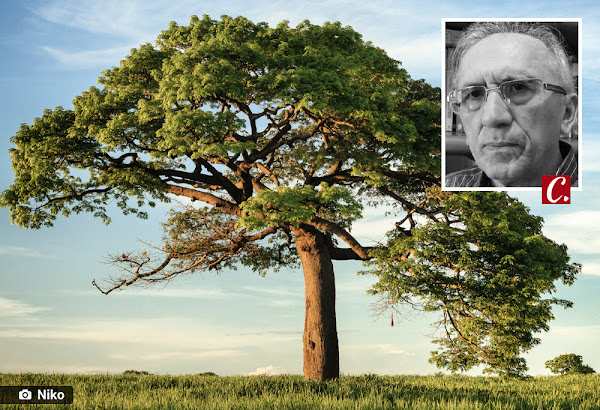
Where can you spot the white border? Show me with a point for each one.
(579, 22)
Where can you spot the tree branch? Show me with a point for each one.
(75, 195)
(205, 255)
(346, 254)
(362, 252)
(210, 199)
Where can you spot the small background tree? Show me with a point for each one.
(569, 364)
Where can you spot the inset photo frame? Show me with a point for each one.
(511, 92)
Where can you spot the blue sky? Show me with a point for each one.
(53, 320)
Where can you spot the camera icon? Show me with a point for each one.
(25, 394)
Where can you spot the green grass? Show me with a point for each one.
(293, 392)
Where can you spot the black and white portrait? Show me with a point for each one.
(511, 103)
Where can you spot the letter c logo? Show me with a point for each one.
(553, 193)
(551, 188)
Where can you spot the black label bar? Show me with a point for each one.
(36, 394)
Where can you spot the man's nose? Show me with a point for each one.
(495, 110)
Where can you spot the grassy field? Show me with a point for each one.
(293, 392)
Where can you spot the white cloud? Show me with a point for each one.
(270, 296)
(588, 331)
(116, 28)
(421, 55)
(378, 349)
(158, 345)
(90, 58)
(19, 251)
(268, 371)
(15, 308)
(282, 303)
(370, 231)
(591, 51)
(276, 297)
(170, 334)
(591, 153)
(275, 291)
(578, 230)
(140, 21)
(155, 356)
(591, 268)
(356, 284)
(58, 368)
(392, 349)
(75, 369)
(410, 34)
(199, 293)
(374, 225)
(131, 19)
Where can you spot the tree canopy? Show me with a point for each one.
(223, 111)
(569, 364)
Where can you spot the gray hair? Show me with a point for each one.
(548, 35)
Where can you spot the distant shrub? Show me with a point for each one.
(569, 364)
(207, 374)
(138, 372)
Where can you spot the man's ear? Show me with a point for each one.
(570, 116)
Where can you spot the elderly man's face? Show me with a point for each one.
(514, 145)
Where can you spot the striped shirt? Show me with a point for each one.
(475, 177)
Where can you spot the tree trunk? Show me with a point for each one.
(320, 342)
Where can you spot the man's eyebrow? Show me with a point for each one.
(505, 78)
(472, 84)
(511, 77)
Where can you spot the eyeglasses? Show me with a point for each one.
(514, 93)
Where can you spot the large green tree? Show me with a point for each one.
(278, 137)
(283, 134)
